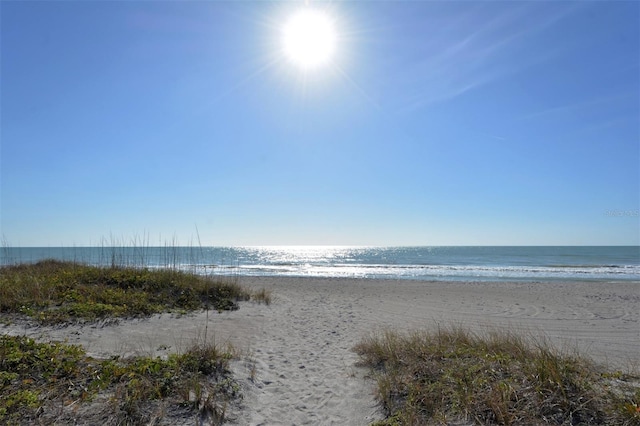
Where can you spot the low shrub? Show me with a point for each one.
(36, 379)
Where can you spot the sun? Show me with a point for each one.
(309, 39)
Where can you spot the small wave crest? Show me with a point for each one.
(446, 272)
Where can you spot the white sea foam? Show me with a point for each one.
(444, 272)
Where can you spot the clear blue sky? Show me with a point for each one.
(437, 123)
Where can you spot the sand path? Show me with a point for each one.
(303, 364)
(298, 368)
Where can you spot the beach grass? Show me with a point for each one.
(52, 291)
(262, 296)
(496, 378)
(53, 382)
(45, 383)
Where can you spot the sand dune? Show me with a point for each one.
(297, 365)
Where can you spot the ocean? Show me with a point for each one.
(619, 263)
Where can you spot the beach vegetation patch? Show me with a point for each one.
(44, 383)
(497, 378)
(262, 296)
(52, 291)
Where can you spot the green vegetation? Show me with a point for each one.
(58, 383)
(52, 291)
(43, 382)
(453, 375)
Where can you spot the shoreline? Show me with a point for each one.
(296, 363)
(422, 263)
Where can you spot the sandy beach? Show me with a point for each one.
(296, 365)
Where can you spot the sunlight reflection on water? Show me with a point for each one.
(429, 263)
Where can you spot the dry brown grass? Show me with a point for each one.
(496, 378)
(262, 296)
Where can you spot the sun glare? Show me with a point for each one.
(309, 39)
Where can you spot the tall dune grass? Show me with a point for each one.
(495, 379)
(53, 291)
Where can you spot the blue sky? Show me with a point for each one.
(437, 123)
